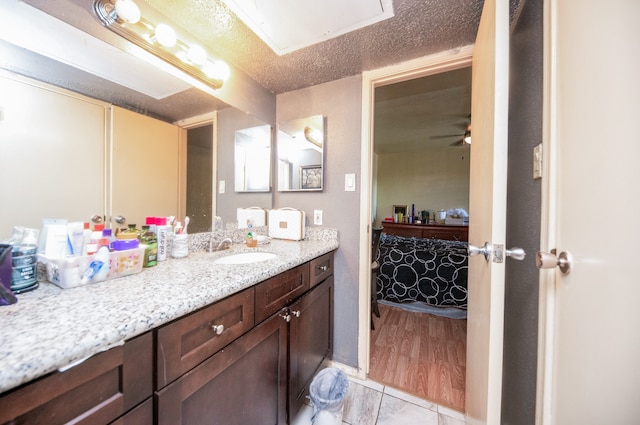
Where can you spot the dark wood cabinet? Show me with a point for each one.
(310, 340)
(245, 383)
(428, 231)
(246, 359)
(97, 391)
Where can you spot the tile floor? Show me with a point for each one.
(371, 403)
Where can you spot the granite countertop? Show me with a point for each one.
(52, 328)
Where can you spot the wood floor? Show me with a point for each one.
(420, 354)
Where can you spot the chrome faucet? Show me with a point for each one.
(224, 244)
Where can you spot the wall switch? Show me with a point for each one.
(317, 217)
(350, 182)
(537, 162)
(221, 186)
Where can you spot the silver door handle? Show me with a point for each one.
(120, 219)
(549, 260)
(485, 250)
(499, 253)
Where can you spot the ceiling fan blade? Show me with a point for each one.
(446, 136)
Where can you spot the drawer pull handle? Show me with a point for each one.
(218, 329)
(323, 268)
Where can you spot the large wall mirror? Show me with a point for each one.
(252, 159)
(300, 154)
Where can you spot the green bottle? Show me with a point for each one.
(149, 238)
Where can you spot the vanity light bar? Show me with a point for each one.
(123, 18)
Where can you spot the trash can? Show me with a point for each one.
(327, 392)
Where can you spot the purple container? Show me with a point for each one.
(5, 265)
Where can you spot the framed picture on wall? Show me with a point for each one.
(311, 177)
(400, 209)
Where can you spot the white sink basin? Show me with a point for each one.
(245, 258)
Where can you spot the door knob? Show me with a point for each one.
(499, 253)
(485, 250)
(120, 219)
(96, 219)
(549, 260)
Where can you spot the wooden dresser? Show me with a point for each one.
(430, 231)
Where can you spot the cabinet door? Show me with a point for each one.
(243, 384)
(145, 171)
(310, 340)
(52, 154)
(97, 391)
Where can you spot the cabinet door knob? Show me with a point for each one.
(295, 313)
(217, 329)
(323, 268)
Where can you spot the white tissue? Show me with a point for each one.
(457, 213)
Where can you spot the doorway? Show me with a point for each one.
(404, 72)
(418, 344)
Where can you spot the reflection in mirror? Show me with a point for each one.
(228, 200)
(252, 159)
(300, 154)
(200, 178)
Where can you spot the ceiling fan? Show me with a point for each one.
(463, 138)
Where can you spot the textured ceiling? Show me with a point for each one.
(419, 28)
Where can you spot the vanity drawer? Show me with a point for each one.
(320, 268)
(96, 391)
(280, 291)
(192, 339)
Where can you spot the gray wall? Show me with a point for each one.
(523, 219)
(340, 102)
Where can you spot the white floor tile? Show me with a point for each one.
(411, 398)
(394, 411)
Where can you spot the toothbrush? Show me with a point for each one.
(186, 223)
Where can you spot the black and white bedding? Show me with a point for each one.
(432, 271)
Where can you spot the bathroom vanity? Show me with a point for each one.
(185, 342)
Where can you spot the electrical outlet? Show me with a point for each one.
(317, 217)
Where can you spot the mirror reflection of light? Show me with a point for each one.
(165, 35)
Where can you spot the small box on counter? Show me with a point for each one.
(287, 223)
(70, 272)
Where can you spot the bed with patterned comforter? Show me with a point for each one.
(432, 271)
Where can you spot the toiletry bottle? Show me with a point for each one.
(151, 222)
(149, 239)
(131, 232)
(162, 232)
(86, 237)
(107, 234)
(251, 241)
(96, 237)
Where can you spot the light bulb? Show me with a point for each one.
(197, 55)
(165, 35)
(218, 70)
(128, 11)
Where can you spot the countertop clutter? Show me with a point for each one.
(53, 328)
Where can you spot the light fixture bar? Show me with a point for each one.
(160, 40)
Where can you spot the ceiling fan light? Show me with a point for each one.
(128, 11)
(467, 138)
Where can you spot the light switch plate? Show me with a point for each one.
(221, 186)
(537, 162)
(350, 182)
(317, 217)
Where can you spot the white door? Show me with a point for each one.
(146, 168)
(589, 360)
(487, 212)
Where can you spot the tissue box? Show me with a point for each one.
(67, 272)
(286, 223)
(258, 217)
